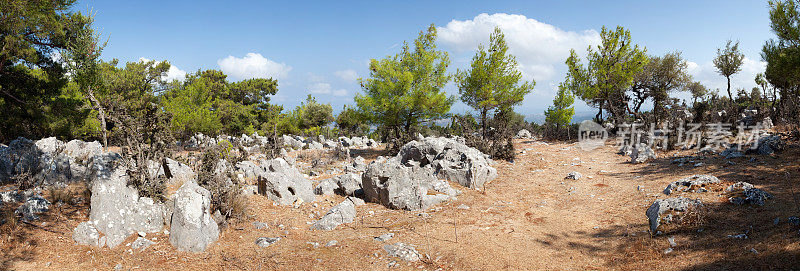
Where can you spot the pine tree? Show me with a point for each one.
(561, 112)
(407, 88)
(492, 83)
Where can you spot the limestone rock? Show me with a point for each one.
(695, 183)
(192, 227)
(664, 211)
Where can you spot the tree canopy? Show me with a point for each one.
(406, 88)
(608, 73)
(729, 62)
(493, 82)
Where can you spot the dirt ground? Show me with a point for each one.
(530, 217)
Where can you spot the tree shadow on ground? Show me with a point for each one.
(707, 234)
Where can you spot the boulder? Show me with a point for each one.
(403, 251)
(117, 211)
(347, 142)
(450, 160)
(745, 193)
(464, 165)
(313, 145)
(359, 164)
(249, 169)
(349, 184)
(192, 227)
(695, 183)
(767, 124)
(664, 211)
(86, 234)
(326, 187)
(32, 207)
(524, 134)
(344, 212)
(397, 186)
(770, 144)
(642, 153)
(284, 184)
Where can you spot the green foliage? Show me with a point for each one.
(30, 79)
(609, 72)
(207, 103)
(406, 88)
(350, 122)
(657, 79)
(314, 114)
(192, 108)
(783, 58)
(141, 126)
(492, 83)
(698, 91)
(729, 62)
(561, 112)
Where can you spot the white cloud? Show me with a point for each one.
(253, 65)
(707, 74)
(539, 47)
(174, 73)
(347, 75)
(326, 89)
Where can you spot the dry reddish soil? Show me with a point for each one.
(530, 217)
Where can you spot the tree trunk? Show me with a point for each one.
(730, 96)
(102, 115)
(483, 123)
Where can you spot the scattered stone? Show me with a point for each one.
(331, 243)
(744, 193)
(671, 241)
(32, 207)
(738, 236)
(668, 250)
(141, 244)
(344, 212)
(463, 207)
(664, 211)
(795, 221)
(86, 234)
(524, 134)
(642, 153)
(266, 241)
(192, 227)
(573, 176)
(384, 237)
(403, 251)
(695, 183)
(260, 225)
(770, 144)
(731, 153)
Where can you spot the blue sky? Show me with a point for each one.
(320, 48)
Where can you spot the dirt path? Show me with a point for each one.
(528, 218)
